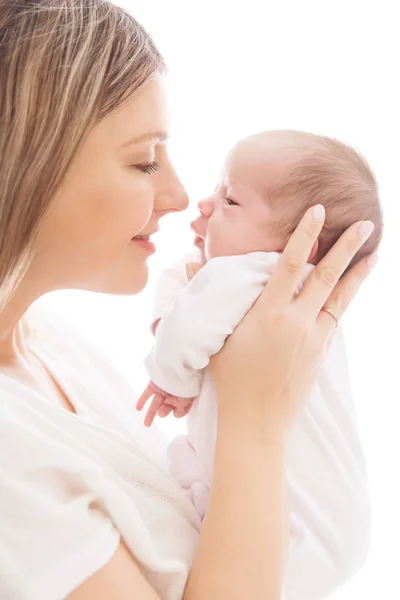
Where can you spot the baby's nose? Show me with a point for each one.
(199, 225)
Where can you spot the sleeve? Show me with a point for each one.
(171, 281)
(54, 531)
(203, 315)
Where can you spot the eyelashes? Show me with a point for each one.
(149, 168)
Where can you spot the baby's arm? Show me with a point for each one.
(202, 316)
(172, 280)
(168, 287)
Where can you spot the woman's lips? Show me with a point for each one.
(146, 244)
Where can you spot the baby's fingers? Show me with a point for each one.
(145, 396)
(164, 410)
(182, 412)
(191, 269)
(155, 406)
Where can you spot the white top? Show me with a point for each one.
(327, 484)
(72, 484)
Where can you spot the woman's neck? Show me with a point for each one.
(13, 346)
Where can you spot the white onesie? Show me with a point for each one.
(326, 476)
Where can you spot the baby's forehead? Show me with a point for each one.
(271, 146)
(257, 162)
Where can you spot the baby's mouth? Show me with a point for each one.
(198, 241)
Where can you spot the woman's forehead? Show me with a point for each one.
(143, 119)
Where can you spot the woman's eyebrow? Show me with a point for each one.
(160, 136)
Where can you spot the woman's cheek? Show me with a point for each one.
(136, 208)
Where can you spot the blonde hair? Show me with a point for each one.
(64, 65)
(322, 170)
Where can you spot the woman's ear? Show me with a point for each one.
(314, 251)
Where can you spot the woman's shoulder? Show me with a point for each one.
(64, 340)
(43, 324)
(67, 478)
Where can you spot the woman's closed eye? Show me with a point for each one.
(148, 167)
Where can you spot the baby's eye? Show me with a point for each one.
(230, 202)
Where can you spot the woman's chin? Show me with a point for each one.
(124, 284)
(137, 283)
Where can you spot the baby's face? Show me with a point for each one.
(234, 218)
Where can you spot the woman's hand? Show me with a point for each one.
(270, 362)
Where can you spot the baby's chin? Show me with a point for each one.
(209, 255)
(201, 251)
(219, 250)
(216, 250)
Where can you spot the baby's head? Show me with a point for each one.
(268, 182)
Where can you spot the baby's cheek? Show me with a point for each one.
(220, 243)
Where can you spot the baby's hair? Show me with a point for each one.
(321, 170)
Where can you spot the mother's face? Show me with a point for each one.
(119, 185)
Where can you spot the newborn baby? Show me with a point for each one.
(268, 182)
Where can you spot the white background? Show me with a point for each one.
(328, 67)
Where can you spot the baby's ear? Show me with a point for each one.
(191, 270)
(314, 251)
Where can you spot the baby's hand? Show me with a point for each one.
(191, 269)
(162, 404)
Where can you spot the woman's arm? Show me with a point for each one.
(119, 579)
(242, 547)
(261, 376)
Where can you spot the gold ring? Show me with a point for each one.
(330, 312)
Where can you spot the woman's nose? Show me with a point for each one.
(171, 195)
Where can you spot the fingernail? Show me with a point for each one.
(365, 230)
(319, 213)
(371, 261)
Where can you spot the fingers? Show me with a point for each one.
(164, 410)
(286, 277)
(146, 395)
(323, 279)
(162, 405)
(155, 405)
(182, 412)
(191, 269)
(344, 292)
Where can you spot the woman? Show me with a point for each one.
(87, 509)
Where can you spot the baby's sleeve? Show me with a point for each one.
(171, 281)
(54, 531)
(203, 315)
